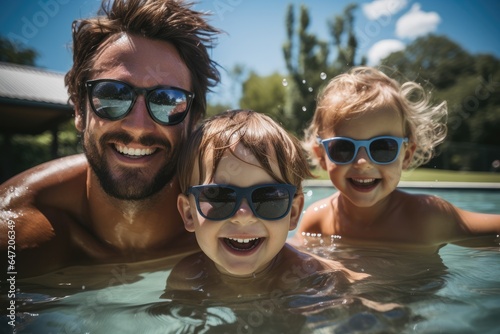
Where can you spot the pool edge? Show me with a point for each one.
(421, 184)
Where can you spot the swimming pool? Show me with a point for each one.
(455, 290)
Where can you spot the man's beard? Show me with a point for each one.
(134, 183)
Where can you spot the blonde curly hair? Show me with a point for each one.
(364, 88)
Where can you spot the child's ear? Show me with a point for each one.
(319, 152)
(296, 211)
(409, 152)
(184, 208)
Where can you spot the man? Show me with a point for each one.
(139, 79)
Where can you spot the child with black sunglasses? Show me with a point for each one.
(367, 128)
(240, 177)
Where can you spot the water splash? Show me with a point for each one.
(304, 108)
(322, 75)
(284, 82)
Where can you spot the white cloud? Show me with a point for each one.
(382, 49)
(417, 23)
(378, 8)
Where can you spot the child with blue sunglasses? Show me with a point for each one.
(240, 177)
(367, 129)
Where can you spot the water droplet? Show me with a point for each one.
(310, 89)
(304, 108)
(322, 75)
(83, 287)
(304, 81)
(285, 82)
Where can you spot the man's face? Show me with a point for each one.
(135, 157)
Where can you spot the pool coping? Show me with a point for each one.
(422, 184)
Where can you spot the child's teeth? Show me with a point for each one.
(243, 241)
(364, 180)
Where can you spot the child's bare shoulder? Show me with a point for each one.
(423, 201)
(432, 217)
(316, 214)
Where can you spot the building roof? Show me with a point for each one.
(32, 100)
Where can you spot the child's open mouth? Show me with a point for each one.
(364, 183)
(242, 245)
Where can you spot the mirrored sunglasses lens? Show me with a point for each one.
(217, 202)
(270, 202)
(384, 150)
(341, 150)
(167, 105)
(111, 99)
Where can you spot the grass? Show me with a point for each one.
(428, 174)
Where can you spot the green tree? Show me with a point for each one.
(470, 84)
(265, 95)
(308, 64)
(432, 58)
(214, 109)
(11, 52)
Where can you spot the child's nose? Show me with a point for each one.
(244, 213)
(362, 158)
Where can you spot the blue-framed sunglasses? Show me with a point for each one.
(113, 100)
(381, 150)
(267, 201)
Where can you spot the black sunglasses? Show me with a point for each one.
(267, 201)
(113, 100)
(381, 150)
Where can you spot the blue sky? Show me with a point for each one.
(256, 29)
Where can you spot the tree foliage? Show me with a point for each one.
(470, 84)
(433, 58)
(309, 63)
(266, 95)
(11, 52)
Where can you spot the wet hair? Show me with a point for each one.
(260, 134)
(365, 88)
(171, 21)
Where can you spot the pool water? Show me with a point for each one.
(454, 290)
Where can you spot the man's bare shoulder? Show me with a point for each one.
(35, 197)
(34, 185)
